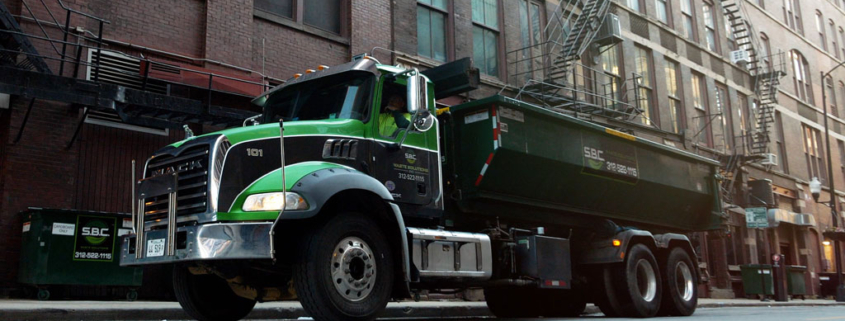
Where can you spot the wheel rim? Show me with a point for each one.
(353, 269)
(646, 280)
(683, 277)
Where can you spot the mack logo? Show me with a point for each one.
(192, 165)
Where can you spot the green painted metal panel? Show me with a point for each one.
(59, 248)
(513, 152)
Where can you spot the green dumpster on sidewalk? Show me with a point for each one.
(754, 276)
(795, 284)
(67, 247)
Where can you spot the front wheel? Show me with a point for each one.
(344, 270)
(206, 297)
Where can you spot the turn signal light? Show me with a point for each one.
(617, 243)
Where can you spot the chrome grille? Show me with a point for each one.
(192, 164)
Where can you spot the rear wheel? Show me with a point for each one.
(206, 297)
(680, 295)
(636, 285)
(344, 270)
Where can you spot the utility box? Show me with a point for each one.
(66, 247)
(544, 258)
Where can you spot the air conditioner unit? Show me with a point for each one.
(769, 159)
(740, 55)
(610, 32)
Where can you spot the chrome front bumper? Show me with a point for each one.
(213, 241)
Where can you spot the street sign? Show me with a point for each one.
(756, 217)
(776, 258)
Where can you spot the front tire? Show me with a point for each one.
(680, 295)
(206, 297)
(344, 270)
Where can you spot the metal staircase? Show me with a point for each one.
(15, 48)
(766, 73)
(554, 77)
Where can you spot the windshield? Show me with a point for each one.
(342, 96)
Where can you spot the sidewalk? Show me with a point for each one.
(122, 310)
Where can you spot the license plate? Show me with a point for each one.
(155, 247)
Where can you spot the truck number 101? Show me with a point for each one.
(255, 152)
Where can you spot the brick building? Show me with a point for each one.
(675, 54)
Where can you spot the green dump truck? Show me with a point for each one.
(331, 202)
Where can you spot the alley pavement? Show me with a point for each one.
(147, 310)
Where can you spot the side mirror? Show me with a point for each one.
(417, 93)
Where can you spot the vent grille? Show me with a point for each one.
(192, 164)
(694, 54)
(119, 69)
(639, 26)
(668, 41)
(717, 65)
(739, 76)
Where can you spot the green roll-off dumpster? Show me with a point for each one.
(753, 277)
(66, 247)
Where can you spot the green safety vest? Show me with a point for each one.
(387, 123)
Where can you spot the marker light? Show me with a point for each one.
(274, 202)
(322, 67)
(617, 243)
(297, 75)
(309, 71)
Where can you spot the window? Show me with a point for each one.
(792, 15)
(431, 29)
(842, 41)
(765, 49)
(745, 118)
(676, 106)
(842, 95)
(485, 35)
(834, 46)
(800, 73)
(610, 66)
(642, 62)
(724, 131)
(831, 96)
(710, 26)
(282, 8)
(814, 154)
(729, 34)
(327, 15)
(633, 4)
(783, 164)
(662, 10)
(841, 156)
(532, 36)
(820, 29)
(689, 21)
(701, 119)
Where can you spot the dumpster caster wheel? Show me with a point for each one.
(132, 295)
(43, 294)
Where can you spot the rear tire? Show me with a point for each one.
(680, 294)
(344, 270)
(637, 287)
(207, 297)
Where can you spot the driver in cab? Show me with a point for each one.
(393, 117)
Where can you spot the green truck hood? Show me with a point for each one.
(344, 127)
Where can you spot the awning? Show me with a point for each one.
(777, 216)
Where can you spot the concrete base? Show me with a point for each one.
(723, 294)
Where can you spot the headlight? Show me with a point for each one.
(274, 202)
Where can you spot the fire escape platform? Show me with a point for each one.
(134, 106)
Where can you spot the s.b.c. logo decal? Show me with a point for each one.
(410, 156)
(94, 239)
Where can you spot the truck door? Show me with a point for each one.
(409, 172)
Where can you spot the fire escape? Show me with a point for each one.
(550, 73)
(109, 84)
(766, 70)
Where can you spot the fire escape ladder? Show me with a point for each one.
(15, 48)
(578, 39)
(766, 72)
